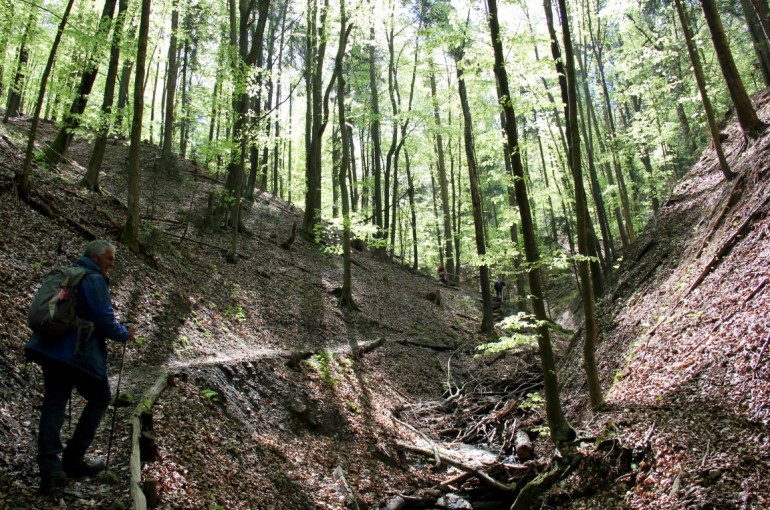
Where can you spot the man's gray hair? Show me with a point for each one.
(97, 248)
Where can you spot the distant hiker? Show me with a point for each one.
(499, 284)
(442, 274)
(78, 359)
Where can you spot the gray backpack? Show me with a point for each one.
(52, 312)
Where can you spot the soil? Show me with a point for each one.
(269, 408)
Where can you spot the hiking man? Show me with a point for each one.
(77, 359)
(499, 284)
(442, 274)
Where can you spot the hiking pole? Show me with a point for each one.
(115, 406)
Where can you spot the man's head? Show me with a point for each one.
(102, 253)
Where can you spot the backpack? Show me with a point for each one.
(52, 311)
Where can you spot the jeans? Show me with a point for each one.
(59, 380)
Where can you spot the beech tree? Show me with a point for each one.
(581, 213)
(561, 431)
(167, 162)
(130, 234)
(56, 149)
(744, 110)
(91, 178)
(22, 179)
(700, 79)
(487, 321)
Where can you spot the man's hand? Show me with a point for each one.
(131, 331)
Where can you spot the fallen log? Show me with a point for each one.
(447, 458)
(523, 445)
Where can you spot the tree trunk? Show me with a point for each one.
(374, 127)
(487, 321)
(246, 41)
(561, 431)
(335, 171)
(449, 263)
(346, 296)
(167, 162)
(313, 170)
(744, 110)
(758, 39)
(58, 147)
(130, 234)
(13, 103)
(125, 78)
(91, 179)
(625, 204)
(763, 16)
(700, 79)
(581, 213)
(22, 180)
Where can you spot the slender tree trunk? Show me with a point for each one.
(375, 133)
(353, 176)
(91, 179)
(130, 234)
(13, 103)
(581, 213)
(762, 11)
(487, 321)
(125, 78)
(153, 102)
(22, 180)
(276, 144)
(390, 164)
(561, 431)
(346, 296)
(56, 149)
(318, 126)
(439, 241)
(167, 162)
(744, 110)
(596, 191)
(336, 142)
(700, 79)
(182, 119)
(450, 263)
(758, 39)
(597, 47)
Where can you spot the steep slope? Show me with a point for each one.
(684, 341)
(236, 334)
(270, 410)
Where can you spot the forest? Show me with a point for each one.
(560, 147)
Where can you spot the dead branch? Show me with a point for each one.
(436, 347)
(202, 243)
(371, 346)
(446, 457)
(735, 194)
(456, 479)
(729, 244)
(436, 453)
(754, 292)
(762, 352)
(51, 211)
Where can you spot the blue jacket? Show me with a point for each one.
(86, 348)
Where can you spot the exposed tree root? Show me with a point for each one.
(531, 493)
(728, 245)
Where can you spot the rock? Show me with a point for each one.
(395, 503)
(715, 474)
(298, 406)
(453, 502)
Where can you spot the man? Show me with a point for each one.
(499, 284)
(77, 360)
